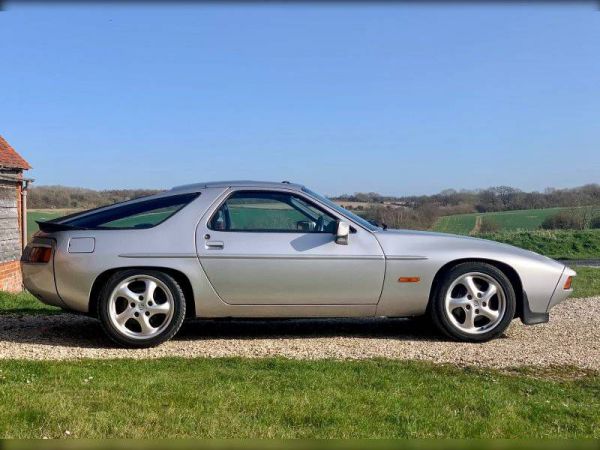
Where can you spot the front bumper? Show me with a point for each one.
(560, 294)
(528, 317)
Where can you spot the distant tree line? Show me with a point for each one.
(415, 212)
(498, 198)
(63, 197)
(421, 212)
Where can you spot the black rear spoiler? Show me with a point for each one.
(51, 227)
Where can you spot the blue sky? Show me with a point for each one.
(398, 99)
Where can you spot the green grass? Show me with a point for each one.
(278, 398)
(307, 444)
(457, 224)
(278, 444)
(23, 303)
(559, 244)
(529, 219)
(42, 214)
(518, 228)
(522, 220)
(587, 282)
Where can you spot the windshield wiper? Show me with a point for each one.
(377, 224)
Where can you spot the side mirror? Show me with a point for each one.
(342, 233)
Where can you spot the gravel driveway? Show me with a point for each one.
(571, 338)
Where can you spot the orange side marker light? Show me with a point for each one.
(568, 284)
(409, 279)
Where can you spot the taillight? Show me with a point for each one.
(568, 284)
(40, 255)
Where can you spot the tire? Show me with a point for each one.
(141, 308)
(474, 302)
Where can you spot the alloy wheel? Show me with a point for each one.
(141, 307)
(475, 303)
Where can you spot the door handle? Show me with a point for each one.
(215, 245)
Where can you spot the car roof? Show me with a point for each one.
(235, 183)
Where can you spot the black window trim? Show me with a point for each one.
(346, 216)
(193, 196)
(308, 200)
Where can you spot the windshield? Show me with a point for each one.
(359, 220)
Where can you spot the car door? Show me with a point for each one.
(277, 247)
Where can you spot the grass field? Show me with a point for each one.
(587, 282)
(522, 229)
(507, 220)
(457, 224)
(279, 398)
(558, 244)
(43, 214)
(24, 303)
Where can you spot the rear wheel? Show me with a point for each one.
(141, 308)
(474, 302)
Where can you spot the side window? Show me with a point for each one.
(271, 212)
(141, 214)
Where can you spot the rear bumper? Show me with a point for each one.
(38, 278)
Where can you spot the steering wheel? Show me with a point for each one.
(320, 223)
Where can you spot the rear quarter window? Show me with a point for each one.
(140, 214)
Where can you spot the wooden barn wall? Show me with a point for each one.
(10, 237)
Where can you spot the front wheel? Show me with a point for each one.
(474, 302)
(141, 308)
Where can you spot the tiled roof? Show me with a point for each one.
(10, 158)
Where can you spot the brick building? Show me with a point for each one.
(13, 217)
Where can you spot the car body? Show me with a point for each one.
(306, 271)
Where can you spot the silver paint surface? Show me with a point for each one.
(280, 274)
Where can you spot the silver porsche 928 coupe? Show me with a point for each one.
(279, 250)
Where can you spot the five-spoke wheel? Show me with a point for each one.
(473, 302)
(141, 308)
